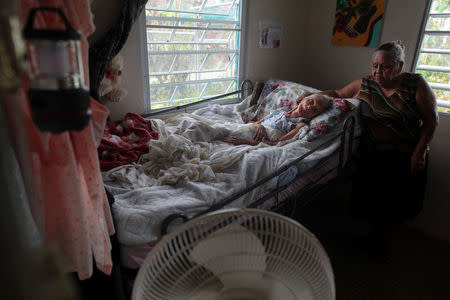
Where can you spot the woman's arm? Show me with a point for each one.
(426, 104)
(241, 141)
(287, 136)
(238, 141)
(348, 91)
(292, 133)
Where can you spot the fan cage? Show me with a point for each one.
(292, 253)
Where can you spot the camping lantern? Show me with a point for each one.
(58, 97)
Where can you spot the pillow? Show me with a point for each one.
(269, 86)
(283, 96)
(328, 119)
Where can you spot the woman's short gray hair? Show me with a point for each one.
(396, 48)
(326, 100)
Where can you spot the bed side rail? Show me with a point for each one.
(347, 133)
(346, 146)
(245, 90)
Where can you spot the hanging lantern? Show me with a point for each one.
(58, 97)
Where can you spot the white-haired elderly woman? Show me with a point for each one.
(288, 122)
(400, 116)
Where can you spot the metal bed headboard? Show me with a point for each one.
(245, 90)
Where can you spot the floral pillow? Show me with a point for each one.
(282, 96)
(328, 119)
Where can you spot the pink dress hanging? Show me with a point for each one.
(62, 171)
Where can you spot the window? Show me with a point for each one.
(193, 49)
(433, 60)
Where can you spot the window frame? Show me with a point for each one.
(423, 31)
(146, 72)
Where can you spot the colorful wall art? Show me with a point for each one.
(358, 22)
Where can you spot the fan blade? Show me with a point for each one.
(231, 249)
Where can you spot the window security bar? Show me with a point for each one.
(172, 34)
(189, 72)
(172, 84)
(172, 66)
(213, 42)
(193, 28)
(230, 7)
(201, 96)
(433, 68)
(172, 98)
(435, 51)
(187, 11)
(438, 33)
(194, 20)
(215, 5)
(177, 52)
(204, 62)
(440, 86)
(203, 5)
(200, 42)
(440, 15)
(197, 9)
(194, 71)
(204, 33)
(443, 103)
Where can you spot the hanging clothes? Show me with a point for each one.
(69, 203)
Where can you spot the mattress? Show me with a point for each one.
(187, 171)
(132, 256)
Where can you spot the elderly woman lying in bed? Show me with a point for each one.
(287, 122)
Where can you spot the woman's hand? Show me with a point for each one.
(238, 141)
(418, 161)
(260, 133)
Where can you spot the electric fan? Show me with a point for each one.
(244, 254)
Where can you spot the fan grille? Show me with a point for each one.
(292, 254)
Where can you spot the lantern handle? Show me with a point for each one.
(30, 32)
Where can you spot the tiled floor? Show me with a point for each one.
(417, 267)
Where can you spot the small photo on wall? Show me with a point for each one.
(358, 22)
(270, 34)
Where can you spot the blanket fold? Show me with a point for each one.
(123, 143)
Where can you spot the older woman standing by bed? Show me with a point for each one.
(400, 116)
(287, 122)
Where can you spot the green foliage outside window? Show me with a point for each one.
(437, 42)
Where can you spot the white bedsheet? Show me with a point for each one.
(184, 172)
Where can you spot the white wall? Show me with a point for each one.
(132, 78)
(328, 66)
(283, 62)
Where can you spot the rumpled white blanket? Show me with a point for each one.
(188, 170)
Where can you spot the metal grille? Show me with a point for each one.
(433, 61)
(192, 49)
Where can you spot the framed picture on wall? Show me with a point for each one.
(358, 22)
(270, 34)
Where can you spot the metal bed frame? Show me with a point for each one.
(344, 165)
